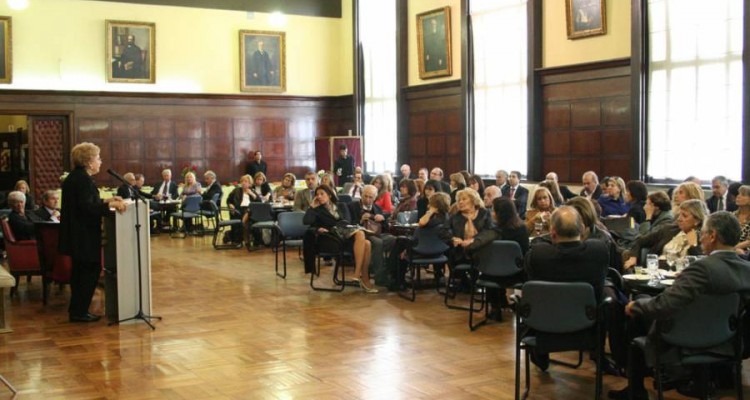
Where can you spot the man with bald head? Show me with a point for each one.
(437, 174)
(126, 191)
(567, 259)
(491, 193)
(564, 191)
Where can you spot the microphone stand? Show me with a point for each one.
(140, 314)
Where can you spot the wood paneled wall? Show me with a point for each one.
(586, 120)
(434, 137)
(148, 132)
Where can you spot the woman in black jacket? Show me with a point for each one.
(326, 216)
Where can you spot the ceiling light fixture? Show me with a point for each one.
(18, 4)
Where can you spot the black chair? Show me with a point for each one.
(220, 226)
(429, 250)
(207, 212)
(188, 212)
(261, 217)
(345, 198)
(291, 230)
(555, 317)
(691, 333)
(498, 261)
(328, 245)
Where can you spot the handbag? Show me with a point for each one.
(373, 227)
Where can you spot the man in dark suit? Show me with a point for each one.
(212, 188)
(48, 211)
(722, 200)
(406, 172)
(567, 259)
(363, 210)
(126, 191)
(166, 189)
(591, 188)
(21, 222)
(257, 165)
(564, 191)
(516, 192)
(722, 272)
(501, 178)
(437, 174)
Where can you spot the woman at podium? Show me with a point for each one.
(80, 228)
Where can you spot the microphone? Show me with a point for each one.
(117, 176)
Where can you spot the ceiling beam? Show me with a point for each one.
(312, 8)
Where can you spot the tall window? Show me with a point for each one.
(500, 72)
(695, 88)
(377, 30)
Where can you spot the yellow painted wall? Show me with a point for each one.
(420, 6)
(17, 121)
(59, 45)
(558, 50)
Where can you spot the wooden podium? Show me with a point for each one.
(121, 263)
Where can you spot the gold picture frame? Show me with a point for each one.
(6, 64)
(262, 61)
(131, 52)
(585, 18)
(434, 43)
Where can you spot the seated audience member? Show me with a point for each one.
(213, 187)
(721, 272)
(126, 190)
(508, 226)
(370, 216)
(658, 210)
(192, 186)
(257, 164)
(457, 183)
(437, 174)
(286, 190)
(140, 180)
(434, 218)
(475, 182)
(501, 179)
(365, 177)
(354, 188)
(366, 210)
(166, 189)
(721, 199)
(327, 180)
(424, 174)
(406, 172)
(260, 189)
(419, 183)
(593, 228)
(681, 236)
(303, 198)
(21, 222)
(564, 191)
(491, 193)
(470, 219)
(554, 190)
(49, 211)
(690, 178)
(686, 191)
(430, 187)
(743, 215)
(384, 199)
(237, 202)
(591, 188)
(408, 198)
(542, 207)
(516, 192)
(568, 258)
(734, 188)
(23, 187)
(613, 203)
(635, 196)
(323, 215)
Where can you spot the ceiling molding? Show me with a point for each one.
(311, 8)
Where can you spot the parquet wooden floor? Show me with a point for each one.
(233, 330)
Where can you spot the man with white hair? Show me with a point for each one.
(126, 190)
(591, 189)
(501, 178)
(490, 194)
(406, 172)
(212, 188)
(166, 189)
(49, 211)
(21, 223)
(366, 210)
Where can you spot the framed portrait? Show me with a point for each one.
(585, 18)
(434, 43)
(131, 52)
(262, 61)
(6, 64)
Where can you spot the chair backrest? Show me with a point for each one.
(558, 307)
(291, 224)
(706, 322)
(216, 199)
(428, 242)
(192, 203)
(407, 217)
(345, 198)
(260, 212)
(7, 232)
(214, 211)
(54, 265)
(500, 258)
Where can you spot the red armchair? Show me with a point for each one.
(56, 267)
(23, 258)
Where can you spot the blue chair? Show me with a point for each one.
(501, 260)
(220, 226)
(261, 217)
(428, 250)
(207, 212)
(188, 212)
(290, 232)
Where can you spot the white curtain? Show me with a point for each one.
(694, 112)
(500, 90)
(377, 24)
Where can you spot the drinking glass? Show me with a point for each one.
(680, 264)
(538, 226)
(652, 266)
(671, 258)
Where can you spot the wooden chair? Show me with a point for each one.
(23, 258)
